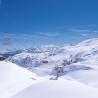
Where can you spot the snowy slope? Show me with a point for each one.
(40, 49)
(17, 82)
(79, 79)
(58, 89)
(86, 51)
(88, 77)
(83, 58)
(34, 56)
(13, 79)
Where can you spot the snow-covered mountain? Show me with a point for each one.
(86, 51)
(17, 82)
(80, 57)
(43, 59)
(33, 57)
(40, 49)
(75, 67)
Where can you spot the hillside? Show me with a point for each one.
(14, 79)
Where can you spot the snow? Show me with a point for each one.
(14, 79)
(85, 52)
(61, 88)
(82, 73)
(82, 55)
(79, 79)
(18, 82)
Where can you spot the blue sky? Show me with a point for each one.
(41, 22)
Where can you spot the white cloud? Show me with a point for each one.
(80, 30)
(26, 36)
(49, 34)
(84, 34)
(95, 31)
(84, 30)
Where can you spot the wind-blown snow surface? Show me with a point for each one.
(14, 79)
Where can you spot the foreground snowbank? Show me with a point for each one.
(58, 89)
(18, 82)
(13, 79)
